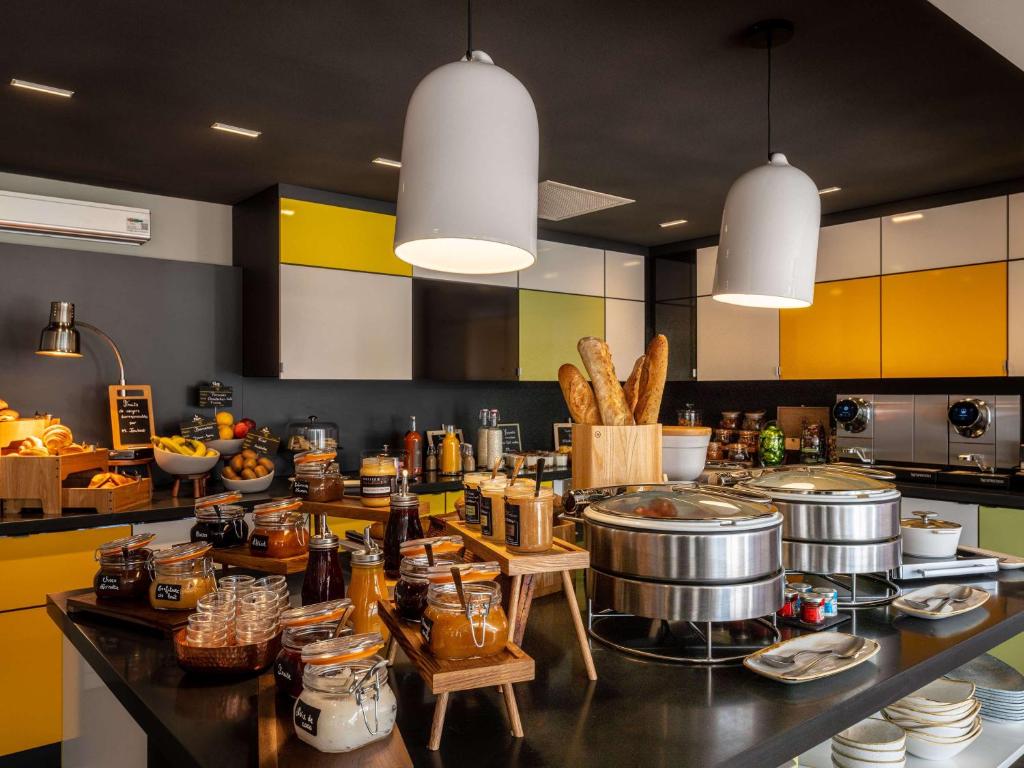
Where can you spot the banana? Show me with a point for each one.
(198, 448)
(169, 445)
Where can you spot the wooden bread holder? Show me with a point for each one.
(109, 499)
(19, 429)
(27, 481)
(615, 455)
(445, 677)
(524, 570)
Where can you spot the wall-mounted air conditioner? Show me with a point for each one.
(56, 217)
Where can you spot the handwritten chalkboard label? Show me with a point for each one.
(259, 542)
(300, 488)
(199, 428)
(511, 442)
(262, 442)
(306, 717)
(109, 583)
(216, 395)
(563, 436)
(169, 592)
(131, 415)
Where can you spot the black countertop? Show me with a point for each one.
(986, 497)
(163, 507)
(637, 713)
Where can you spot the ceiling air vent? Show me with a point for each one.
(562, 201)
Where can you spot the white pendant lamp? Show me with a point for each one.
(467, 192)
(768, 245)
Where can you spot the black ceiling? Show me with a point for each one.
(658, 101)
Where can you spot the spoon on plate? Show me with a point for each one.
(847, 650)
(958, 595)
(850, 650)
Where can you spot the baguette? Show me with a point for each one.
(632, 387)
(611, 400)
(578, 395)
(652, 384)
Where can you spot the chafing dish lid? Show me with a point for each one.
(818, 481)
(682, 509)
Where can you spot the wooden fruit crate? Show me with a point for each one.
(109, 499)
(615, 455)
(31, 481)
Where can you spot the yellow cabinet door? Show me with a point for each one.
(318, 235)
(837, 337)
(945, 322)
(550, 324)
(30, 666)
(1000, 530)
(33, 566)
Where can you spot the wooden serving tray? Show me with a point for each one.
(512, 665)
(109, 499)
(562, 556)
(353, 508)
(240, 557)
(138, 613)
(279, 747)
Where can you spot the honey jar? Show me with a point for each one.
(452, 631)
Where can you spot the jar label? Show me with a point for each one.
(301, 487)
(199, 534)
(259, 542)
(109, 583)
(426, 624)
(511, 524)
(376, 485)
(306, 717)
(486, 517)
(169, 592)
(474, 501)
(281, 671)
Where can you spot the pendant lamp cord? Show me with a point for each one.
(769, 94)
(469, 30)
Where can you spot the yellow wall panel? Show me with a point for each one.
(550, 324)
(33, 566)
(30, 666)
(837, 337)
(318, 235)
(945, 322)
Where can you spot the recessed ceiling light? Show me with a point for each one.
(673, 223)
(389, 163)
(906, 217)
(287, 212)
(50, 89)
(828, 190)
(235, 129)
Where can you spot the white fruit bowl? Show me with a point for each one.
(179, 464)
(226, 447)
(257, 485)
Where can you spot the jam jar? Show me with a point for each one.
(181, 575)
(124, 568)
(288, 665)
(323, 579)
(528, 522)
(279, 530)
(345, 705)
(453, 632)
(411, 589)
(403, 524)
(378, 476)
(317, 476)
(471, 494)
(220, 521)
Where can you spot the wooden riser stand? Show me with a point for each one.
(27, 481)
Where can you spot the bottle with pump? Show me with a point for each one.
(451, 455)
(414, 450)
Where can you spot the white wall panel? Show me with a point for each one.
(565, 269)
(849, 250)
(949, 236)
(624, 275)
(706, 258)
(624, 331)
(736, 343)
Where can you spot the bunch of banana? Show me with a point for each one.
(184, 445)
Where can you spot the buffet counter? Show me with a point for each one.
(669, 715)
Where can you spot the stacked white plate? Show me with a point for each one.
(941, 720)
(1000, 687)
(871, 743)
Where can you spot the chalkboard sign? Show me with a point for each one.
(511, 442)
(199, 428)
(563, 436)
(131, 415)
(261, 441)
(216, 395)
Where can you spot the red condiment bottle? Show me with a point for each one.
(414, 450)
(403, 524)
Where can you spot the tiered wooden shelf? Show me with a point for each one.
(447, 677)
(353, 508)
(523, 570)
(240, 557)
(27, 481)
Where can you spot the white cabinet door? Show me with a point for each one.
(507, 279)
(849, 250)
(167, 532)
(1016, 213)
(1015, 318)
(337, 324)
(736, 343)
(624, 332)
(565, 269)
(706, 258)
(954, 512)
(624, 276)
(965, 233)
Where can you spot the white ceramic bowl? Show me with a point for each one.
(940, 694)
(929, 542)
(917, 717)
(945, 731)
(179, 464)
(226, 447)
(873, 735)
(938, 748)
(683, 456)
(842, 760)
(256, 485)
(870, 755)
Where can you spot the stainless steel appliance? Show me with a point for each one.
(872, 428)
(984, 431)
(961, 564)
(852, 415)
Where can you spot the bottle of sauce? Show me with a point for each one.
(414, 450)
(403, 524)
(431, 460)
(451, 455)
(367, 587)
(324, 580)
(483, 459)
